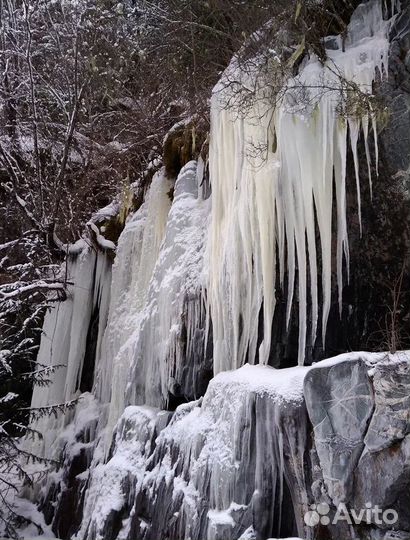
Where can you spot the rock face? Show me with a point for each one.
(361, 438)
(340, 404)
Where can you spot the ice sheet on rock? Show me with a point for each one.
(73, 447)
(137, 253)
(64, 338)
(163, 357)
(144, 353)
(272, 172)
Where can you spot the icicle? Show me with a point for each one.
(340, 183)
(354, 136)
(268, 211)
(376, 144)
(365, 129)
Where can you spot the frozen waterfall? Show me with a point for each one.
(65, 337)
(175, 435)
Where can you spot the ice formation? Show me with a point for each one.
(143, 352)
(267, 208)
(246, 461)
(64, 339)
(165, 359)
(242, 461)
(107, 493)
(151, 318)
(138, 249)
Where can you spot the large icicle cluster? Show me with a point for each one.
(267, 208)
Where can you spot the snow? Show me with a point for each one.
(222, 517)
(40, 284)
(31, 531)
(370, 358)
(101, 241)
(280, 384)
(8, 397)
(272, 172)
(107, 482)
(83, 423)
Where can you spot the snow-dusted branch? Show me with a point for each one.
(31, 287)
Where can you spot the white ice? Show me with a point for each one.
(273, 173)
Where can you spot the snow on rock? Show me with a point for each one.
(272, 171)
(245, 461)
(283, 384)
(222, 460)
(257, 440)
(209, 469)
(35, 525)
(102, 242)
(81, 430)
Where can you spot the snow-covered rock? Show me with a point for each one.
(213, 470)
